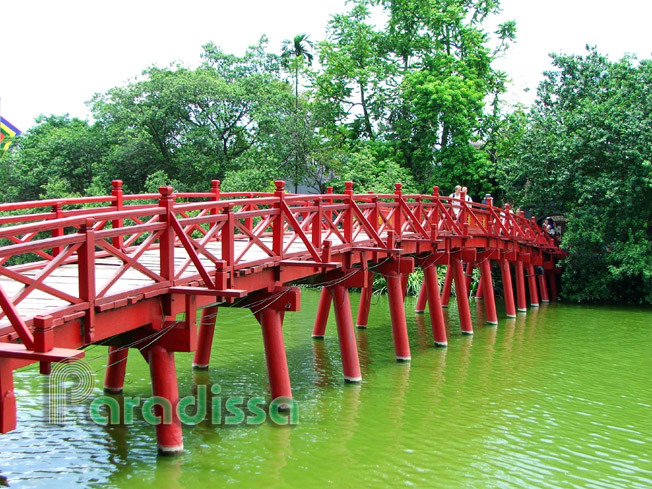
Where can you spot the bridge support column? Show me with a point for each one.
(271, 322)
(448, 282)
(169, 435)
(508, 289)
(462, 296)
(468, 275)
(434, 305)
(479, 293)
(486, 284)
(404, 284)
(423, 297)
(202, 357)
(543, 287)
(7, 397)
(532, 286)
(365, 303)
(323, 308)
(346, 333)
(521, 303)
(552, 280)
(114, 378)
(397, 313)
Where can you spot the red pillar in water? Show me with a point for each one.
(346, 333)
(532, 286)
(487, 284)
(479, 293)
(169, 436)
(202, 356)
(423, 297)
(543, 288)
(468, 274)
(397, 313)
(448, 281)
(114, 378)
(271, 322)
(434, 306)
(365, 303)
(462, 297)
(323, 308)
(521, 303)
(508, 290)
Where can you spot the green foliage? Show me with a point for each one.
(369, 173)
(583, 151)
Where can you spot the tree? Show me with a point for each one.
(295, 52)
(583, 151)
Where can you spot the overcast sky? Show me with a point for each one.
(57, 54)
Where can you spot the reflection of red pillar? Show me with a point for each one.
(114, 378)
(323, 309)
(365, 303)
(397, 313)
(448, 281)
(434, 305)
(271, 322)
(169, 436)
(508, 290)
(489, 299)
(532, 285)
(543, 287)
(462, 297)
(520, 287)
(202, 356)
(345, 333)
(423, 297)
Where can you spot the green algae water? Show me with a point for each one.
(560, 397)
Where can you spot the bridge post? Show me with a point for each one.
(365, 302)
(552, 280)
(479, 293)
(521, 303)
(271, 322)
(532, 286)
(508, 290)
(202, 356)
(169, 435)
(468, 275)
(434, 305)
(114, 378)
(323, 309)
(462, 296)
(448, 282)
(116, 192)
(397, 313)
(345, 333)
(487, 285)
(543, 287)
(423, 297)
(7, 397)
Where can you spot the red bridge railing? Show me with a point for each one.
(65, 263)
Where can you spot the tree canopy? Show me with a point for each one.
(399, 90)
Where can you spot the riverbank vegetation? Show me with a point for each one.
(413, 98)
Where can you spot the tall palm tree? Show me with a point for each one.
(293, 54)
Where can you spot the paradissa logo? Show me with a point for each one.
(193, 410)
(73, 383)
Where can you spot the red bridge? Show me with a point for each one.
(121, 270)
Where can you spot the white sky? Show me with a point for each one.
(57, 54)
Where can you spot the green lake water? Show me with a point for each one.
(560, 397)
